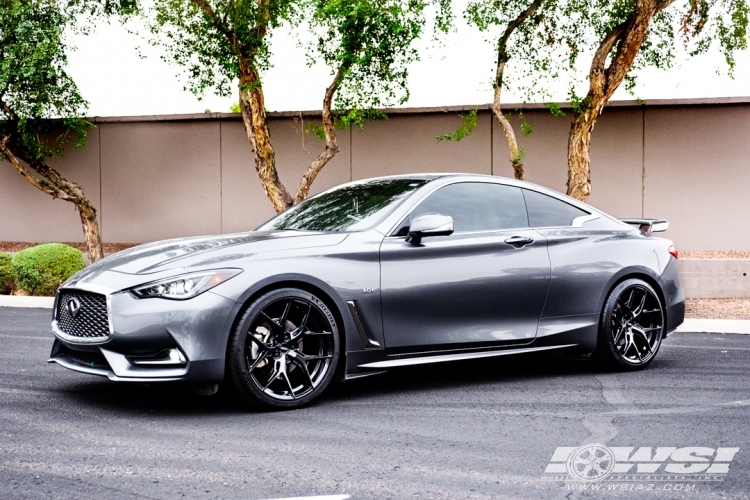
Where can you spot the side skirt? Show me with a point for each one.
(392, 363)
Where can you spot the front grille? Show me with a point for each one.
(91, 319)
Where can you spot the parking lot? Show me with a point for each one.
(462, 430)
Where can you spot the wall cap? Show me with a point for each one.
(709, 101)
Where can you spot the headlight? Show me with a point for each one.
(186, 286)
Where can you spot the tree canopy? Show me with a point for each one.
(220, 43)
(41, 108)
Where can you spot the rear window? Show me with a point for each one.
(546, 211)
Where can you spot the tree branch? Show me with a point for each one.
(332, 147)
(219, 24)
(13, 159)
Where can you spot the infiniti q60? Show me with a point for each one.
(370, 276)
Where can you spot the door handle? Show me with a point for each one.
(519, 241)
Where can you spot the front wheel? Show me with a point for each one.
(631, 326)
(284, 351)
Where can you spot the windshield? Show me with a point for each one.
(352, 207)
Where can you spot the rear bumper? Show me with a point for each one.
(674, 296)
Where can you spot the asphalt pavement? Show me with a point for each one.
(484, 429)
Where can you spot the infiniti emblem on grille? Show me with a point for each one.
(74, 307)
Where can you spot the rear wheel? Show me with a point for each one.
(284, 350)
(631, 326)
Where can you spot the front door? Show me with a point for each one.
(484, 285)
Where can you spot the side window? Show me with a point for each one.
(546, 211)
(477, 206)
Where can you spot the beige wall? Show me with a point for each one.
(162, 177)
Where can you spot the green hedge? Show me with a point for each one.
(41, 269)
(7, 274)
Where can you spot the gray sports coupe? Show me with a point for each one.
(373, 275)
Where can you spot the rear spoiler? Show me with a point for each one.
(648, 225)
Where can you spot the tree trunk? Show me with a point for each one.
(603, 82)
(502, 58)
(57, 186)
(256, 126)
(91, 231)
(332, 146)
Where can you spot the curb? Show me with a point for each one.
(21, 301)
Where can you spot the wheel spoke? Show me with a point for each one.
(635, 347)
(303, 366)
(645, 338)
(258, 342)
(302, 327)
(282, 321)
(618, 335)
(274, 374)
(629, 303)
(261, 357)
(289, 384)
(639, 308)
(270, 320)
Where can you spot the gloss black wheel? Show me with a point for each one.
(632, 326)
(285, 349)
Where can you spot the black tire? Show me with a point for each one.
(631, 327)
(284, 350)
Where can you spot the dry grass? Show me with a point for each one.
(718, 308)
(16, 246)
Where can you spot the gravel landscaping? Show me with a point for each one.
(726, 254)
(717, 308)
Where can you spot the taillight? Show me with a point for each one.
(672, 250)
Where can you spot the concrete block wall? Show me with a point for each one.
(159, 177)
(715, 278)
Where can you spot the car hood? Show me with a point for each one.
(154, 259)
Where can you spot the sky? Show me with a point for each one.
(117, 82)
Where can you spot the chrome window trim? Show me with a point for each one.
(580, 221)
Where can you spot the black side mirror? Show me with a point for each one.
(429, 225)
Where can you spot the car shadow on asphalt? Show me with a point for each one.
(178, 400)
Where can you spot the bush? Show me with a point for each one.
(40, 270)
(7, 274)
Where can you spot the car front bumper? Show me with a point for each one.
(143, 329)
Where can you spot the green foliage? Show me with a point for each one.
(555, 109)
(34, 85)
(370, 41)
(464, 130)
(207, 38)
(342, 121)
(40, 270)
(700, 25)
(542, 49)
(526, 129)
(358, 117)
(7, 274)
(235, 108)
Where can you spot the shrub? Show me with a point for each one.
(7, 274)
(40, 270)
